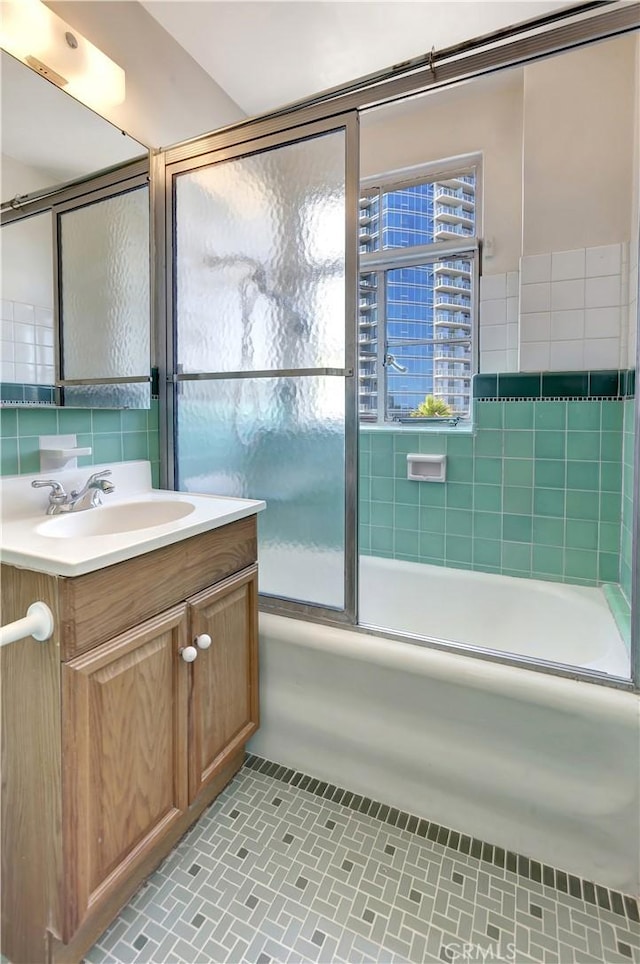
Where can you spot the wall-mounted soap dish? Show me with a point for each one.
(60, 452)
(426, 468)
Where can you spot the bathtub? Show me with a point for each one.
(551, 621)
(541, 765)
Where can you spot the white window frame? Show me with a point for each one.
(411, 256)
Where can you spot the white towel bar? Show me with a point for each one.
(37, 623)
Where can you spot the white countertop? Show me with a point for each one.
(24, 520)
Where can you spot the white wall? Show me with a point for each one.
(559, 141)
(578, 148)
(26, 309)
(27, 247)
(482, 116)
(580, 126)
(169, 96)
(17, 177)
(632, 331)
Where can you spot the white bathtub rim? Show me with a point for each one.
(583, 621)
(521, 683)
(586, 672)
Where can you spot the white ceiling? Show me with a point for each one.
(169, 96)
(195, 65)
(268, 53)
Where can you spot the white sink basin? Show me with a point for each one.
(133, 520)
(111, 519)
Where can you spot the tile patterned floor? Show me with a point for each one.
(273, 873)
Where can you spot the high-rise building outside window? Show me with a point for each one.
(418, 251)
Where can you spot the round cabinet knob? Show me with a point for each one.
(189, 653)
(203, 641)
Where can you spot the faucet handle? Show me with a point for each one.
(90, 483)
(57, 490)
(99, 475)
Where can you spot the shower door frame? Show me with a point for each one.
(635, 522)
(523, 43)
(349, 124)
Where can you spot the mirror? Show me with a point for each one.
(48, 140)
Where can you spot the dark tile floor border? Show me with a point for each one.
(586, 890)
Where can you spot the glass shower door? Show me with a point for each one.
(263, 321)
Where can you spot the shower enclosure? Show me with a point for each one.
(526, 547)
(497, 274)
(264, 356)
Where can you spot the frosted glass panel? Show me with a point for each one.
(137, 395)
(282, 440)
(105, 287)
(260, 270)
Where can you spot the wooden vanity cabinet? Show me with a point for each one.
(124, 752)
(224, 695)
(137, 741)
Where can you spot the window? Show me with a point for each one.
(418, 252)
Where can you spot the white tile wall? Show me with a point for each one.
(494, 311)
(563, 356)
(602, 322)
(537, 355)
(605, 260)
(513, 284)
(26, 345)
(573, 307)
(629, 349)
(493, 286)
(535, 268)
(535, 326)
(499, 322)
(535, 297)
(567, 325)
(603, 292)
(566, 265)
(566, 295)
(602, 353)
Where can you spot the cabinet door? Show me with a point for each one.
(124, 757)
(224, 696)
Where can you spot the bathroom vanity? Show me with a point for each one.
(122, 727)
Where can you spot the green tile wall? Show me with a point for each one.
(621, 610)
(535, 491)
(627, 499)
(114, 436)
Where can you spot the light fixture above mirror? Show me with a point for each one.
(43, 41)
(56, 151)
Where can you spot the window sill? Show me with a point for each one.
(462, 428)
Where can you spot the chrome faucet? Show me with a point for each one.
(88, 497)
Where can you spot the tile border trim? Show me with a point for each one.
(624, 905)
(24, 393)
(15, 394)
(606, 385)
